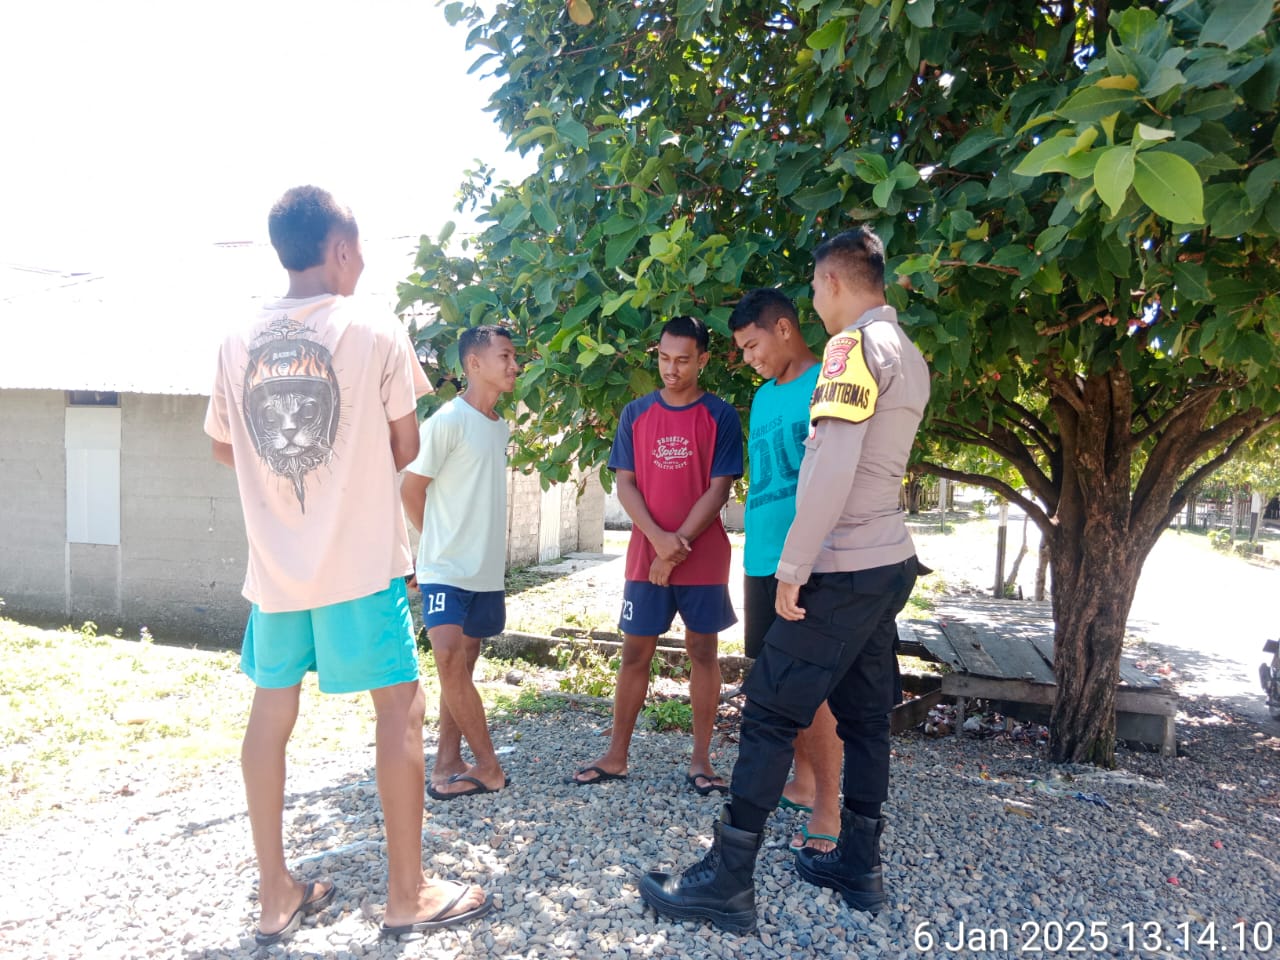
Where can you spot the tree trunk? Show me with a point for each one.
(1012, 580)
(914, 490)
(1191, 512)
(1090, 612)
(1097, 545)
(1042, 570)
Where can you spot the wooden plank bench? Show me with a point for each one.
(1011, 665)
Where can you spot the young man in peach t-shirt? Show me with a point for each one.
(314, 406)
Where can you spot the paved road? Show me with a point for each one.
(1209, 614)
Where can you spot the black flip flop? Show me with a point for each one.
(307, 908)
(709, 787)
(439, 921)
(479, 787)
(601, 776)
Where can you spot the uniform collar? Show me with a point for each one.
(883, 312)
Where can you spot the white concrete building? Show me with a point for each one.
(111, 508)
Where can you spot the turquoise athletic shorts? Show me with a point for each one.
(352, 646)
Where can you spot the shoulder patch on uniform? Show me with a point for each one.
(846, 389)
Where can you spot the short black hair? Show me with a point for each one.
(859, 254)
(301, 223)
(477, 338)
(690, 327)
(762, 307)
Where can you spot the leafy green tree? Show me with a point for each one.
(1079, 203)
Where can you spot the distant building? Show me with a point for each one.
(111, 507)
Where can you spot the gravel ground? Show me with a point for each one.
(983, 833)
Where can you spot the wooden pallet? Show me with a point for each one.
(1011, 664)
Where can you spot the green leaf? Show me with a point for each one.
(818, 197)
(1233, 23)
(1170, 186)
(579, 312)
(975, 142)
(883, 192)
(1192, 281)
(827, 35)
(1113, 175)
(1145, 134)
(1094, 103)
(617, 249)
(535, 133)
(573, 131)
(791, 174)
(906, 175)
(920, 13)
(618, 223)
(544, 218)
(1261, 181)
(1042, 155)
(1049, 238)
(612, 305)
(869, 167)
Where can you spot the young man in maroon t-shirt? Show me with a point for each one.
(676, 455)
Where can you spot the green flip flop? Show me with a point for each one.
(804, 832)
(785, 804)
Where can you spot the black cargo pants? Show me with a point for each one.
(841, 652)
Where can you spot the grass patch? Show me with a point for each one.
(85, 716)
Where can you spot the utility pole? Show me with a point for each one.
(1001, 534)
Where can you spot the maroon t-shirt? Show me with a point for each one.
(674, 452)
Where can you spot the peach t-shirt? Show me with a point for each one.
(304, 394)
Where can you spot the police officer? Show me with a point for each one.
(847, 569)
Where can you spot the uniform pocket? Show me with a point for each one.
(795, 672)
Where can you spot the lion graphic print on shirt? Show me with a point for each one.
(291, 402)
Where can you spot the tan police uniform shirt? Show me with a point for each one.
(870, 398)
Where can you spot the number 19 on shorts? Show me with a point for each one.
(435, 602)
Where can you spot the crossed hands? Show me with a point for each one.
(672, 549)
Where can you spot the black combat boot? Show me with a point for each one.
(719, 889)
(853, 867)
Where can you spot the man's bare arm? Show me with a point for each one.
(413, 496)
(668, 545)
(404, 440)
(223, 453)
(706, 509)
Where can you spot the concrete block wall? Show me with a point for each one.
(180, 563)
(33, 504)
(582, 514)
(182, 539)
(524, 511)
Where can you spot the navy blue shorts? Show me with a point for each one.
(479, 614)
(647, 609)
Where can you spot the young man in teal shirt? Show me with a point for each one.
(766, 328)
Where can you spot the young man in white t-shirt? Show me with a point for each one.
(314, 406)
(455, 492)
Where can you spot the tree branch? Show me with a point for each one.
(1093, 311)
(1188, 486)
(1017, 417)
(1067, 390)
(999, 268)
(1176, 411)
(1031, 508)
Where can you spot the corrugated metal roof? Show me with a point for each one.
(156, 332)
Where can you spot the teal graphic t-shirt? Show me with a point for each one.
(778, 428)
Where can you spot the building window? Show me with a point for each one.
(93, 469)
(92, 398)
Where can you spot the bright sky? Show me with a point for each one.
(138, 129)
